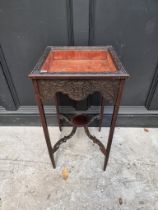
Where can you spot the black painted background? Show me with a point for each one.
(27, 27)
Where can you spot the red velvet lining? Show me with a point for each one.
(71, 61)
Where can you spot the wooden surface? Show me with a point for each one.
(79, 62)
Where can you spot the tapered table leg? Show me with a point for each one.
(43, 121)
(113, 122)
(101, 112)
(56, 100)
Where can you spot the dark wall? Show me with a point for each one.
(27, 27)
(132, 28)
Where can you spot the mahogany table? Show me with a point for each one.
(79, 72)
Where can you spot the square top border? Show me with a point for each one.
(120, 73)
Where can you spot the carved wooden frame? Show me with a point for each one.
(78, 86)
(78, 89)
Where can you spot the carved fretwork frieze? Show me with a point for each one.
(78, 89)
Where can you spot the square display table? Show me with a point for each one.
(79, 72)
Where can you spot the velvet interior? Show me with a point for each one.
(71, 61)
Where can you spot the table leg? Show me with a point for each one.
(113, 122)
(43, 121)
(101, 112)
(56, 100)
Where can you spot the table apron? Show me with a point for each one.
(78, 89)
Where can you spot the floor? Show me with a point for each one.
(28, 182)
